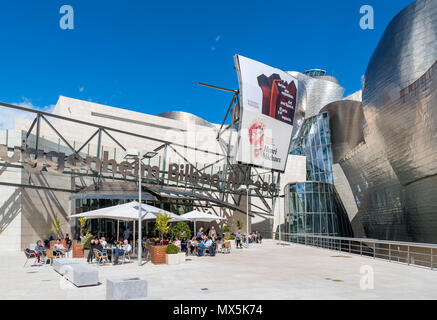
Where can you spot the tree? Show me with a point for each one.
(57, 226)
(161, 224)
(83, 228)
(181, 230)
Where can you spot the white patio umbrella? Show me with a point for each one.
(127, 212)
(200, 216)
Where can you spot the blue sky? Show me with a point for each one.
(148, 56)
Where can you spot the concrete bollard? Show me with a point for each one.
(125, 289)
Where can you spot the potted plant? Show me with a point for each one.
(227, 231)
(161, 225)
(86, 244)
(57, 227)
(172, 256)
(181, 231)
(83, 228)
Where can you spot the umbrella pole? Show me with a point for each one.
(118, 229)
(134, 236)
(195, 231)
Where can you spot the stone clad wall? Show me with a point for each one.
(39, 207)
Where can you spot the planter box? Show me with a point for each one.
(172, 259)
(77, 251)
(158, 254)
(181, 256)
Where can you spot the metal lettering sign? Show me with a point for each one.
(35, 161)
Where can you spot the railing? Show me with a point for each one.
(409, 253)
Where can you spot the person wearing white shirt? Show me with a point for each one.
(121, 250)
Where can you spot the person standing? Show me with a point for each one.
(212, 233)
(126, 234)
(238, 239)
(91, 252)
(68, 242)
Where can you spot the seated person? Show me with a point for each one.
(40, 251)
(177, 243)
(103, 242)
(58, 248)
(192, 245)
(258, 237)
(254, 237)
(121, 250)
(99, 247)
(205, 244)
(199, 235)
(184, 246)
(68, 241)
(164, 241)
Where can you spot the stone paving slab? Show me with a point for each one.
(265, 271)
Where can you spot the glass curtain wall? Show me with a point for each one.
(314, 142)
(315, 208)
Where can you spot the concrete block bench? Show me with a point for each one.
(124, 289)
(81, 275)
(59, 265)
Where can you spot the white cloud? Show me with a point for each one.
(81, 89)
(7, 115)
(217, 39)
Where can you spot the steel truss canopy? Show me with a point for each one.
(209, 184)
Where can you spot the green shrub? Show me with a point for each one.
(231, 237)
(239, 224)
(86, 241)
(226, 228)
(171, 249)
(181, 230)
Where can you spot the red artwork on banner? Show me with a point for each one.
(279, 98)
(256, 137)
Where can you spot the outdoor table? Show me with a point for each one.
(110, 251)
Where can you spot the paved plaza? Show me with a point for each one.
(265, 271)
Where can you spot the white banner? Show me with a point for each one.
(268, 102)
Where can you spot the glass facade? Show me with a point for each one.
(314, 207)
(314, 142)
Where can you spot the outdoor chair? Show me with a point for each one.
(126, 254)
(226, 247)
(31, 255)
(100, 256)
(51, 255)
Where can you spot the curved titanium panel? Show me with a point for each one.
(346, 125)
(393, 173)
(313, 95)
